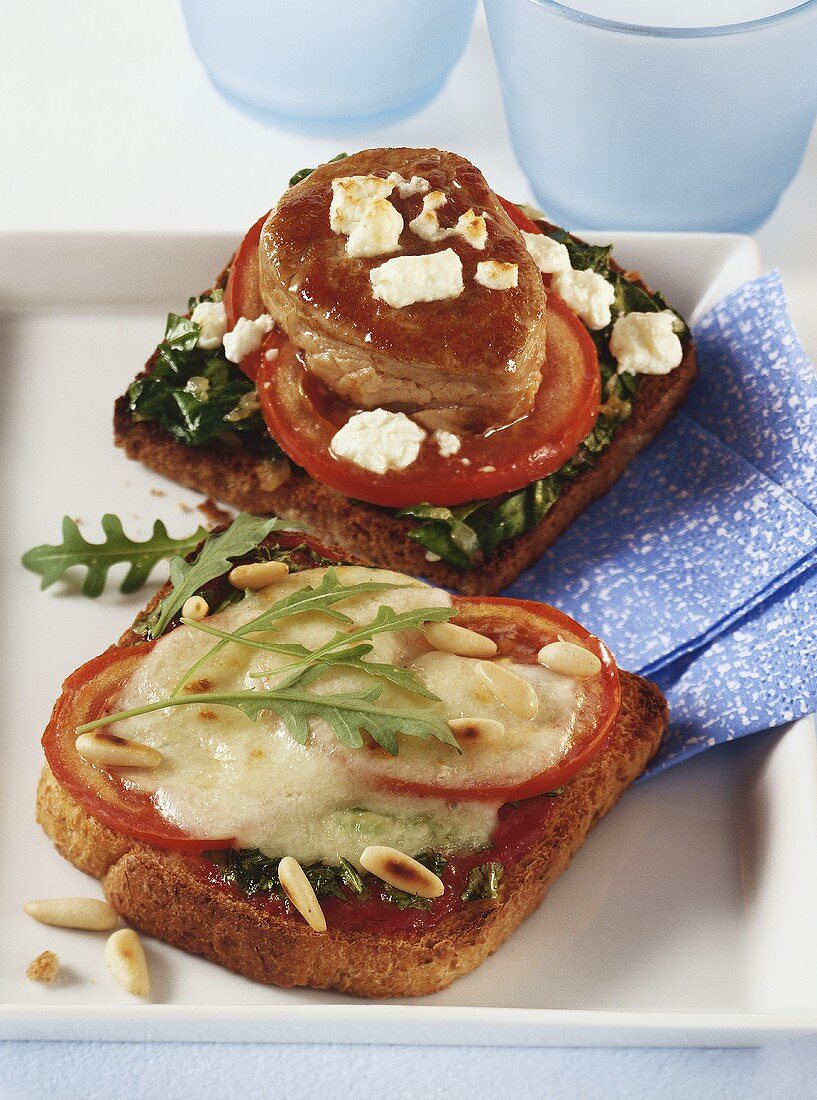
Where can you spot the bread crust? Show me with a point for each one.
(159, 892)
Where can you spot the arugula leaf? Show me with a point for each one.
(196, 394)
(483, 882)
(302, 173)
(319, 599)
(51, 562)
(347, 713)
(213, 560)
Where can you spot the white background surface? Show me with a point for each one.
(109, 123)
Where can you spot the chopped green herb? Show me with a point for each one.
(252, 872)
(193, 393)
(303, 173)
(483, 882)
(51, 562)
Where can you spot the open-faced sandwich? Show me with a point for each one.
(410, 366)
(320, 773)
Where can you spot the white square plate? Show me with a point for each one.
(688, 916)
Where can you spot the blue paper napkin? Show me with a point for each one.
(699, 567)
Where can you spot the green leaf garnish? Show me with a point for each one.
(51, 562)
(213, 560)
(302, 173)
(320, 599)
(349, 714)
(483, 882)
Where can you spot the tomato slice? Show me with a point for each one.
(520, 220)
(242, 295)
(303, 416)
(87, 694)
(520, 628)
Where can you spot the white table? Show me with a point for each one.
(108, 122)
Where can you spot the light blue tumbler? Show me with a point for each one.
(632, 127)
(326, 66)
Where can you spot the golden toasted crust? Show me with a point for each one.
(160, 894)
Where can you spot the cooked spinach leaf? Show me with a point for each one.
(196, 394)
(302, 173)
(483, 882)
(252, 872)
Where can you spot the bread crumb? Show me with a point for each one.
(158, 493)
(213, 514)
(44, 968)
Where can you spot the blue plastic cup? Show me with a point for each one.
(324, 66)
(632, 127)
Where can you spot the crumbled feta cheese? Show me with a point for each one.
(213, 320)
(496, 275)
(647, 343)
(271, 353)
(472, 228)
(350, 197)
(360, 210)
(549, 256)
(246, 336)
(415, 186)
(409, 279)
(431, 556)
(470, 225)
(377, 231)
(247, 405)
(447, 443)
(588, 294)
(426, 225)
(379, 441)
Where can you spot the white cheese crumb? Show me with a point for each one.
(377, 231)
(271, 353)
(409, 279)
(360, 210)
(647, 343)
(588, 294)
(431, 556)
(496, 275)
(426, 225)
(379, 441)
(350, 197)
(246, 336)
(549, 256)
(212, 317)
(470, 225)
(447, 443)
(415, 186)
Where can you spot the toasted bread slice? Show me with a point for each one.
(165, 894)
(246, 480)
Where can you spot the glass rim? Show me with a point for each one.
(564, 11)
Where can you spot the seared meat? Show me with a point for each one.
(473, 361)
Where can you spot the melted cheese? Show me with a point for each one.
(223, 775)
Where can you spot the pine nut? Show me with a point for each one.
(125, 958)
(298, 889)
(459, 640)
(195, 608)
(401, 871)
(111, 751)
(477, 731)
(258, 574)
(44, 968)
(510, 689)
(568, 659)
(90, 914)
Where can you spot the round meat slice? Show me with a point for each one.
(471, 359)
